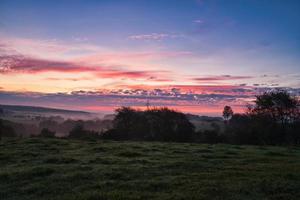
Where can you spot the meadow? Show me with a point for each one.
(40, 168)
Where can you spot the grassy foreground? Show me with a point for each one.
(70, 169)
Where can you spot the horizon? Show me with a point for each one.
(104, 113)
(193, 56)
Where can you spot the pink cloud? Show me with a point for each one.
(68, 79)
(21, 64)
(132, 74)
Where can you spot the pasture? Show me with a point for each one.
(37, 168)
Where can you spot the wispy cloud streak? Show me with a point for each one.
(21, 64)
(221, 78)
(153, 36)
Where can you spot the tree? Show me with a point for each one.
(125, 120)
(244, 129)
(227, 113)
(160, 124)
(274, 117)
(279, 105)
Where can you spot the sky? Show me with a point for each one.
(194, 56)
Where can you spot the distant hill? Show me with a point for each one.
(15, 112)
(203, 123)
(203, 118)
(20, 108)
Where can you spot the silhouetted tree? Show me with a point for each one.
(160, 124)
(126, 122)
(243, 130)
(281, 109)
(227, 113)
(278, 105)
(168, 125)
(272, 120)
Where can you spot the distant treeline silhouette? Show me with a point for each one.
(274, 119)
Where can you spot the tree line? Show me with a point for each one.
(273, 119)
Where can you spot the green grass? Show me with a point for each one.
(98, 170)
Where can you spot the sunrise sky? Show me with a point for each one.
(192, 55)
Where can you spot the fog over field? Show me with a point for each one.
(28, 120)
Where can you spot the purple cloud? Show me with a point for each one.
(221, 78)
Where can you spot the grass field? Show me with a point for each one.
(97, 170)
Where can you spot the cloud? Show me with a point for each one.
(22, 64)
(80, 39)
(198, 21)
(221, 78)
(153, 78)
(208, 99)
(69, 79)
(129, 74)
(46, 47)
(195, 89)
(129, 57)
(153, 36)
(81, 100)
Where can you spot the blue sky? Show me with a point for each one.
(157, 43)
